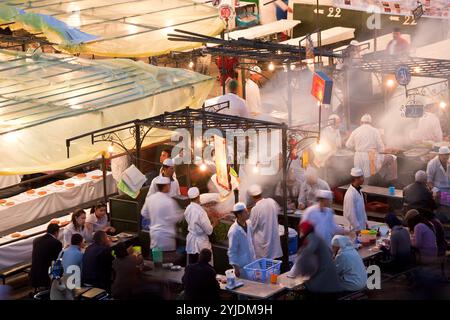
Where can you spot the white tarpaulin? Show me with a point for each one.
(46, 99)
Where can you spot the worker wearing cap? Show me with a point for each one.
(321, 216)
(267, 10)
(437, 171)
(252, 93)
(241, 251)
(354, 206)
(264, 219)
(237, 105)
(167, 171)
(330, 139)
(367, 142)
(199, 226)
(429, 127)
(163, 213)
(308, 189)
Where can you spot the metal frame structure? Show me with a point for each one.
(187, 118)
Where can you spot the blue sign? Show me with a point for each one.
(402, 75)
(414, 111)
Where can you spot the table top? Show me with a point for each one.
(255, 290)
(291, 283)
(379, 191)
(163, 274)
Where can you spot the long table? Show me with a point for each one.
(378, 191)
(24, 208)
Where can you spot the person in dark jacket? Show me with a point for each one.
(45, 250)
(417, 195)
(398, 251)
(438, 229)
(199, 279)
(97, 262)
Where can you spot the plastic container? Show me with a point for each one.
(157, 256)
(392, 191)
(292, 241)
(365, 237)
(231, 277)
(373, 236)
(261, 269)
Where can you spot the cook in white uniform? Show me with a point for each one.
(429, 126)
(241, 251)
(237, 105)
(437, 171)
(354, 206)
(366, 140)
(308, 189)
(267, 13)
(321, 216)
(164, 214)
(199, 226)
(330, 140)
(252, 93)
(264, 219)
(168, 171)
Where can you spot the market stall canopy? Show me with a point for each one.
(45, 99)
(112, 28)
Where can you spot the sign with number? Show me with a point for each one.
(225, 12)
(402, 75)
(414, 111)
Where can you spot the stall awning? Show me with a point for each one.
(113, 28)
(45, 99)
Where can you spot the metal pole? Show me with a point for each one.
(105, 191)
(235, 165)
(138, 146)
(243, 82)
(222, 35)
(319, 40)
(285, 244)
(289, 94)
(346, 100)
(320, 119)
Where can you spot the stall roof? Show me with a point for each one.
(328, 36)
(418, 67)
(45, 99)
(120, 28)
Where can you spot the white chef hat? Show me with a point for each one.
(356, 172)
(255, 190)
(168, 163)
(239, 207)
(193, 193)
(366, 118)
(444, 150)
(255, 69)
(162, 180)
(324, 194)
(334, 117)
(354, 43)
(209, 198)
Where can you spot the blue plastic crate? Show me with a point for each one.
(261, 269)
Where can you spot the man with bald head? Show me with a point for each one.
(308, 189)
(417, 195)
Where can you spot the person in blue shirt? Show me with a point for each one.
(73, 256)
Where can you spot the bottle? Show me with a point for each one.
(157, 257)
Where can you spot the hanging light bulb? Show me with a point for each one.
(199, 144)
(390, 83)
(111, 148)
(319, 146)
(442, 104)
(271, 66)
(292, 67)
(191, 64)
(256, 169)
(203, 167)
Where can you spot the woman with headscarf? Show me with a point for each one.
(314, 260)
(399, 247)
(424, 237)
(349, 265)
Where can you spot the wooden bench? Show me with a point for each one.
(23, 267)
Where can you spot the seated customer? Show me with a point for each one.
(73, 256)
(99, 219)
(45, 250)
(199, 279)
(399, 247)
(417, 194)
(309, 188)
(349, 265)
(77, 225)
(126, 272)
(97, 262)
(424, 237)
(438, 228)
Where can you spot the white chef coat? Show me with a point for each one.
(163, 213)
(199, 228)
(241, 251)
(266, 239)
(267, 13)
(237, 105)
(308, 192)
(253, 97)
(323, 222)
(428, 129)
(364, 139)
(354, 209)
(174, 188)
(437, 174)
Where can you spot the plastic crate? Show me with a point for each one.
(261, 269)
